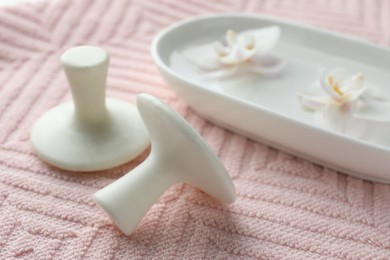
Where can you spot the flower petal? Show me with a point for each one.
(223, 72)
(221, 50)
(355, 94)
(351, 85)
(357, 81)
(323, 80)
(339, 75)
(372, 92)
(231, 37)
(233, 58)
(339, 119)
(312, 97)
(373, 109)
(247, 46)
(265, 38)
(311, 102)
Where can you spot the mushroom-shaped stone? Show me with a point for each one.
(90, 133)
(178, 154)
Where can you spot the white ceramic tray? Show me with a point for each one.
(267, 110)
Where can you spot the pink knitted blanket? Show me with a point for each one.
(286, 207)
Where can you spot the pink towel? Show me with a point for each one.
(286, 207)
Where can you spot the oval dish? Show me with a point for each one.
(268, 110)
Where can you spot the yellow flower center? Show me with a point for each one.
(222, 53)
(250, 46)
(334, 86)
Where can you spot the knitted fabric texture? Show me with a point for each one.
(286, 208)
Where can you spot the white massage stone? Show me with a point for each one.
(178, 154)
(90, 133)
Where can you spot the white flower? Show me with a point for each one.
(342, 102)
(247, 51)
